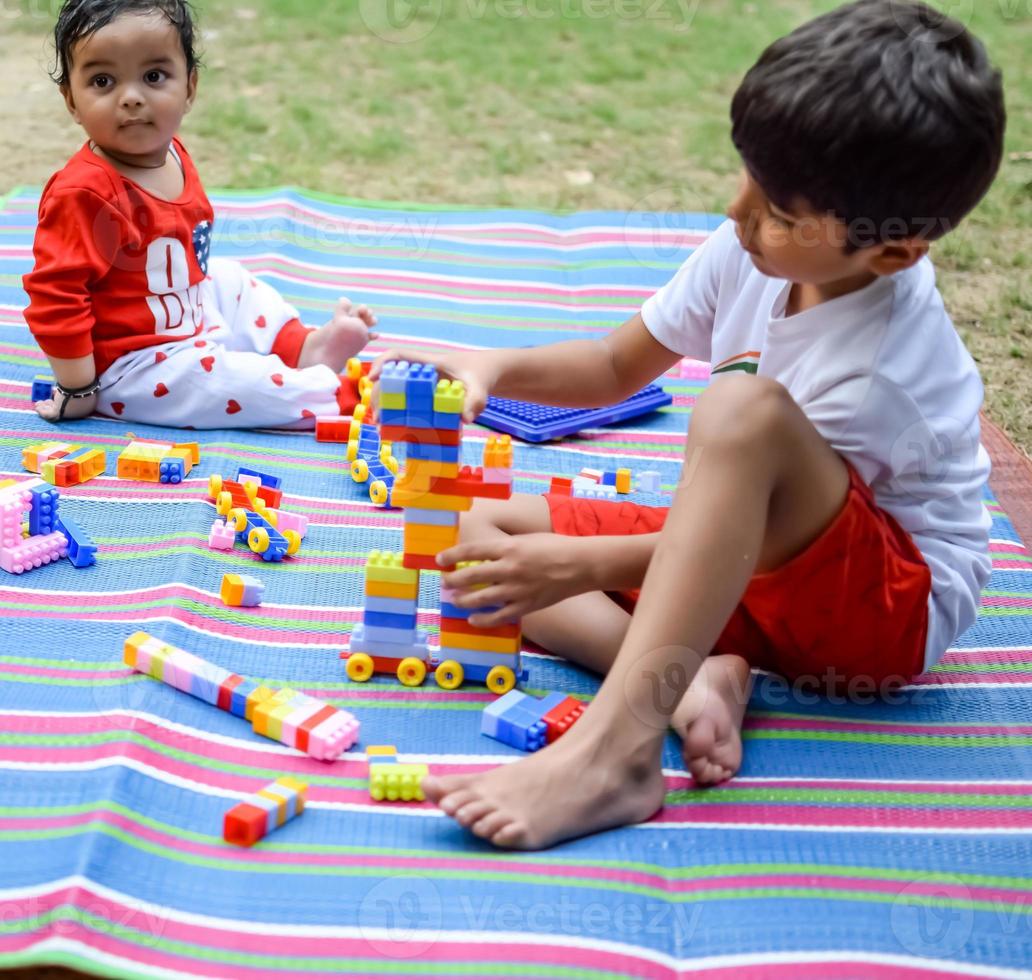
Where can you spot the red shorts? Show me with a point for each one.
(853, 604)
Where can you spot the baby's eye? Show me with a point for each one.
(101, 81)
(154, 76)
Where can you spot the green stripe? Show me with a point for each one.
(837, 797)
(881, 738)
(749, 367)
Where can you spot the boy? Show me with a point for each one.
(828, 522)
(134, 318)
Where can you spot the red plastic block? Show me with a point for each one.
(561, 718)
(332, 428)
(226, 691)
(425, 437)
(244, 825)
(424, 562)
(506, 631)
(470, 483)
(561, 484)
(301, 739)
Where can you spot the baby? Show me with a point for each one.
(135, 318)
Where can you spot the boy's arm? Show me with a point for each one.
(573, 373)
(526, 572)
(71, 374)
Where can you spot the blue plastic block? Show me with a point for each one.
(404, 416)
(81, 549)
(419, 390)
(447, 420)
(477, 658)
(476, 674)
(171, 471)
(263, 478)
(389, 634)
(43, 510)
(388, 621)
(538, 423)
(277, 543)
(238, 703)
(439, 518)
(515, 720)
(42, 388)
(394, 377)
(399, 607)
(455, 612)
(609, 478)
(440, 454)
(378, 648)
(378, 471)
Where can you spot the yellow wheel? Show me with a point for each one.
(237, 518)
(351, 453)
(365, 388)
(391, 463)
(358, 414)
(250, 488)
(353, 368)
(412, 672)
(272, 516)
(214, 485)
(360, 471)
(449, 675)
(258, 540)
(359, 667)
(378, 492)
(294, 543)
(223, 502)
(500, 679)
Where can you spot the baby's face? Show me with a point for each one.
(129, 87)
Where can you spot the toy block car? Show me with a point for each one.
(261, 535)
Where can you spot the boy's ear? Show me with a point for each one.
(191, 89)
(66, 91)
(892, 257)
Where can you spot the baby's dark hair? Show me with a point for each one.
(884, 112)
(79, 19)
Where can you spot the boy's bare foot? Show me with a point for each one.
(709, 718)
(576, 786)
(343, 336)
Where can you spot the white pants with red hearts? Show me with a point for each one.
(227, 376)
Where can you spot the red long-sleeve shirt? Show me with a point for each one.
(117, 269)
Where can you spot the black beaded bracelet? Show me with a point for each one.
(69, 393)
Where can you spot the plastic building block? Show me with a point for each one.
(76, 467)
(82, 552)
(221, 537)
(529, 723)
(32, 552)
(332, 428)
(292, 718)
(598, 492)
(264, 479)
(623, 480)
(561, 484)
(595, 476)
(242, 590)
(34, 456)
(538, 423)
(259, 815)
(393, 780)
(43, 509)
(142, 459)
(42, 388)
(648, 481)
(291, 521)
(498, 452)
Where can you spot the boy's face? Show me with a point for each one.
(129, 88)
(803, 246)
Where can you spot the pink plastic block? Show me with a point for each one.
(335, 735)
(220, 537)
(497, 474)
(289, 521)
(33, 552)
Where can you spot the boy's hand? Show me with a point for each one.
(522, 573)
(78, 408)
(469, 368)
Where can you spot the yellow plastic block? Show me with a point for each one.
(391, 750)
(419, 473)
(7, 483)
(394, 400)
(132, 645)
(298, 786)
(450, 397)
(623, 481)
(392, 590)
(431, 534)
(274, 725)
(385, 566)
(424, 500)
(498, 452)
(492, 644)
(262, 713)
(281, 803)
(255, 699)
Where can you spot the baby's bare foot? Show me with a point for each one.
(343, 336)
(709, 719)
(577, 786)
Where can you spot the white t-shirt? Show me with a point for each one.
(883, 377)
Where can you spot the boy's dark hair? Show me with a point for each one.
(884, 112)
(79, 19)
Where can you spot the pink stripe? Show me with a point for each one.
(753, 723)
(1013, 546)
(1006, 602)
(1011, 565)
(873, 786)
(987, 678)
(90, 673)
(987, 656)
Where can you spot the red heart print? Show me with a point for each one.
(160, 356)
(260, 322)
(160, 390)
(232, 407)
(207, 363)
(118, 407)
(305, 414)
(277, 379)
(200, 343)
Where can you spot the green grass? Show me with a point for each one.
(493, 102)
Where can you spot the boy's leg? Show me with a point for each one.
(758, 487)
(585, 629)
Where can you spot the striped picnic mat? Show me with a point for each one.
(858, 840)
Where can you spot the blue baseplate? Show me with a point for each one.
(538, 423)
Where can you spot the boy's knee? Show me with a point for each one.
(741, 411)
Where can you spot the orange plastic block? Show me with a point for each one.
(471, 641)
(561, 484)
(430, 536)
(423, 500)
(449, 625)
(498, 452)
(392, 590)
